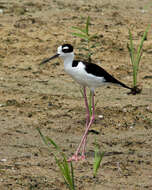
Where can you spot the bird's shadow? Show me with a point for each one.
(91, 153)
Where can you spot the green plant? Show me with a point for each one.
(66, 169)
(97, 159)
(135, 59)
(84, 34)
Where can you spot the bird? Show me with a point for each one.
(87, 75)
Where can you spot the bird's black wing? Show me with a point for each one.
(100, 72)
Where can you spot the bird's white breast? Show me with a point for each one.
(79, 74)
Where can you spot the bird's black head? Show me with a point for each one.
(67, 48)
(62, 51)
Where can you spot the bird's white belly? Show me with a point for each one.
(80, 75)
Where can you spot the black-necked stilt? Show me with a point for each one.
(87, 75)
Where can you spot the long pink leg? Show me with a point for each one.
(93, 117)
(87, 122)
(75, 156)
(87, 107)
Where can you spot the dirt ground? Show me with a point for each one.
(32, 96)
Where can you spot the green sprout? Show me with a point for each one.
(84, 34)
(135, 59)
(66, 169)
(97, 159)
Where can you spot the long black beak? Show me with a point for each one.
(48, 59)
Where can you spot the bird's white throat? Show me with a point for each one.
(68, 59)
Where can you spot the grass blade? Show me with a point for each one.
(131, 48)
(42, 136)
(97, 159)
(72, 175)
(140, 46)
(66, 171)
(60, 165)
(87, 25)
(97, 163)
(80, 35)
(82, 93)
(136, 59)
(80, 29)
(68, 175)
(53, 143)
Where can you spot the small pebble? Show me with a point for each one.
(143, 11)
(1, 11)
(124, 110)
(3, 160)
(100, 116)
(119, 124)
(147, 108)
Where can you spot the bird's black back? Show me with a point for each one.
(100, 72)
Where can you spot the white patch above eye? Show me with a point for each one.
(66, 47)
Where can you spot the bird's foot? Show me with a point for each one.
(76, 158)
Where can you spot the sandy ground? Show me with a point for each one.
(32, 96)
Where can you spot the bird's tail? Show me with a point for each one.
(121, 84)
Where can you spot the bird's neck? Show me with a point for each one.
(68, 60)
